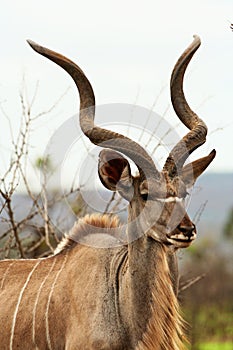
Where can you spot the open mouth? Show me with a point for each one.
(182, 238)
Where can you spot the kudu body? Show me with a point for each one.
(124, 296)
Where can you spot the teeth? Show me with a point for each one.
(182, 237)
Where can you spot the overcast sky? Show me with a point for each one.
(127, 49)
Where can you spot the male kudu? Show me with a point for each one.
(124, 296)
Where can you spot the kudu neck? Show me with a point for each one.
(152, 286)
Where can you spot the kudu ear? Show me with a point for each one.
(114, 172)
(191, 171)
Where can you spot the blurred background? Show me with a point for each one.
(128, 50)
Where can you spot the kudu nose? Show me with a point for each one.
(186, 230)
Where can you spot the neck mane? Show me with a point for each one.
(96, 230)
(165, 327)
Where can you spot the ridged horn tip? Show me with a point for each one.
(32, 43)
(213, 153)
(197, 39)
(36, 47)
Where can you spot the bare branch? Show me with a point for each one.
(187, 284)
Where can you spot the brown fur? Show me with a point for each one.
(67, 279)
(162, 332)
(167, 335)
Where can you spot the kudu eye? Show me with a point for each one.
(184, 195)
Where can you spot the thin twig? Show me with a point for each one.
(190, 282)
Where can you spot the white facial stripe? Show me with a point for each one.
(170, 199)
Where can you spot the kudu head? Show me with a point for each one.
(156, 199)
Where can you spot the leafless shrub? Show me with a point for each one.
(33, 234)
